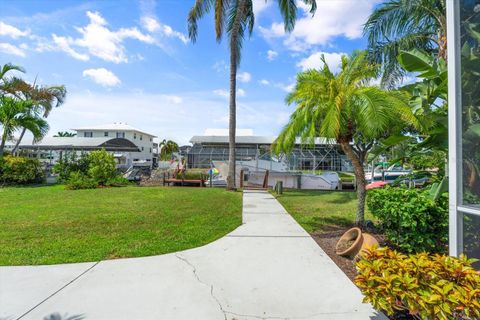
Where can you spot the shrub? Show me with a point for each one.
(78, 181)
(426, 286)
(102, 166)
(411, 220)
(71, 163)
(118, 181)
(192, 175)
(20, 170)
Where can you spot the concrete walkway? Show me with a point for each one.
(268, 268)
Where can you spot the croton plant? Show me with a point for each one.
(426, 286)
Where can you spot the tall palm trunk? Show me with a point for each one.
(361, 181)
(232, 119)
(19, 140)
(2, 143)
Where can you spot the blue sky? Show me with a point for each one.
(131, 61)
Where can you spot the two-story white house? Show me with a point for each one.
(119, 130)
(130, 146)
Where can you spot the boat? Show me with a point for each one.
(388, 175)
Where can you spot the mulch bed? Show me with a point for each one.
(327, 240)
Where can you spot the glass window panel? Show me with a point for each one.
(470, 75)
(471, 237)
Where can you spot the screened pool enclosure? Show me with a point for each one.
(463, 20)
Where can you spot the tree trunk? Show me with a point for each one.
(361, 181)
(2, 144)
(19, 140)
(232, 120)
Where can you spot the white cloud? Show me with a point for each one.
(151, 24)
(260, 6)
(220, 66)
(332, 19)
(241, 93)
(264, 82)
(287, 88)
(271, 55)
(102, 76)
(11, 49)
(314, 61)
(63, 44)
(11, 31)
(100, 41)
(244, 77)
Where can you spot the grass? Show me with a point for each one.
(47, 225)
(318, 211)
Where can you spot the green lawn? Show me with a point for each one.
(317, 211)
(47, 225)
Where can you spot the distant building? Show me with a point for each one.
(129, 145)
(213, 146)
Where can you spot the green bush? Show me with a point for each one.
(424, 286)
(102, 166)
(192, 175)
(411, 220)
(78, 181)
(71, 162)
(118, 181)
(20, 170)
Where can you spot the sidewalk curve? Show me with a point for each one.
(268, 268)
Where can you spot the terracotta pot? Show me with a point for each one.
(369, 242)
(355, 235)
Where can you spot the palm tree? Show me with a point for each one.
(168, 147)
(6, 82)
(345, 107)
(64, 134)
(235, 18)
(44, 99)
(398, 25)
(16, 114)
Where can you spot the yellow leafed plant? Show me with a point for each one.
(426, 286)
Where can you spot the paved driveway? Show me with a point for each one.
(268, 268)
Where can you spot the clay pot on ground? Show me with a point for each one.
(350, 243)
(353, 241)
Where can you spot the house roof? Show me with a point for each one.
(116, 126)
(251, 140)
(79, 143)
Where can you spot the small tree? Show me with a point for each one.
(168, 147)
(102, 166)
(346, 108)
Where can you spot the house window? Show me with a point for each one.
(88, 134)
(142, 148)
(134, 135)
(141, 137)
(120, 134)
(105, 134)
(151, 139)
(150, 150)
